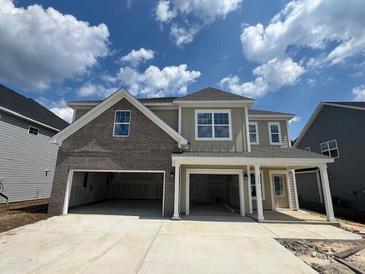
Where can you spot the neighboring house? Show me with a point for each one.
(336, 129)
(27, 158)
(201, 150)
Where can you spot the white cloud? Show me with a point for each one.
(359, 93)
(192, 13)
(316, 24)
(135, 57)
(95, 90)
(155, 82)
(182, 35)
(58, 107)
(163, 12)
(269, 77)
(295, 119)
(39, 46)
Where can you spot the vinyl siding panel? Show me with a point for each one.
(263, 129)
(238, 132)
(169, 116)
(347, 173)
(24, 159)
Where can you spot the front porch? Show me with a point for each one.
(264, 188)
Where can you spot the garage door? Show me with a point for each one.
(117, 192)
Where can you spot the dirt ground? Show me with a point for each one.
(319, 254)
(18, 214)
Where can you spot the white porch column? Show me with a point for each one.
(241, 192)
(327, 193)
(295, 189)
(176, 215)
(260, 212)
(249, 191)
(187, 194)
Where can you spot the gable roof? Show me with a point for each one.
(106, 104)
(347, 105)
(212, 94)
(28, 109)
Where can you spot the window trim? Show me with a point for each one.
(213, 138)
(279, 132)
(329, 150)
(283, 185)
(34, 128)
(124, 123)
(307, 149)
(262, 184)
(257, 133)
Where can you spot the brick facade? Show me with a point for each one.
(147, 147)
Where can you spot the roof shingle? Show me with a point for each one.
(18, 103)
(212, 94)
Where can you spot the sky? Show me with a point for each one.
(287, 55)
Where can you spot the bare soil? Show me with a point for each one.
(320, 254)
(18, 214)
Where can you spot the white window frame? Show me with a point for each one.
(213, 138)
(257, 133)
(279, 132)
(283, 184)
(307, 149)
(328, 148)
(34, 128)
(262, 184)
(124, 123)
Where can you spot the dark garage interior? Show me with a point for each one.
(117, 193)
(212, 194)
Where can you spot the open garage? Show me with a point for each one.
(213, 194)
(116, 193)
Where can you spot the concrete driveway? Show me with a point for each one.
(86, 243)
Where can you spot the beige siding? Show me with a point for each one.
(80, 112)
(169, 116)
(263, 130)
(238, 132)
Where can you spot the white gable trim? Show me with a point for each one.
(108, 103)
(314, 116)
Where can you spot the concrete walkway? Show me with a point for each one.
(87, 243)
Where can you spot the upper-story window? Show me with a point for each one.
(254, 133)
(275, 133)
(307, 148)
(330, 148)
(213, 125)
(33, 130)
(122, 121)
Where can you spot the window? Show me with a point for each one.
(213, 125)
(253, 186)
(275, 134)
(307, 148)
(33, 130)
(330, 149)
(122, 122)
(279, 185)
(254, 134)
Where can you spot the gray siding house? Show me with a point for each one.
(336, 129)
(27, 158)
(178, 156)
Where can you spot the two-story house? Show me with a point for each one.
(27, 158)
(199, 154)
(335, 129)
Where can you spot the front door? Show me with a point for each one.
(280, 192)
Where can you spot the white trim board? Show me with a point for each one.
(70, 176)
(106, 104)
(314, 116)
